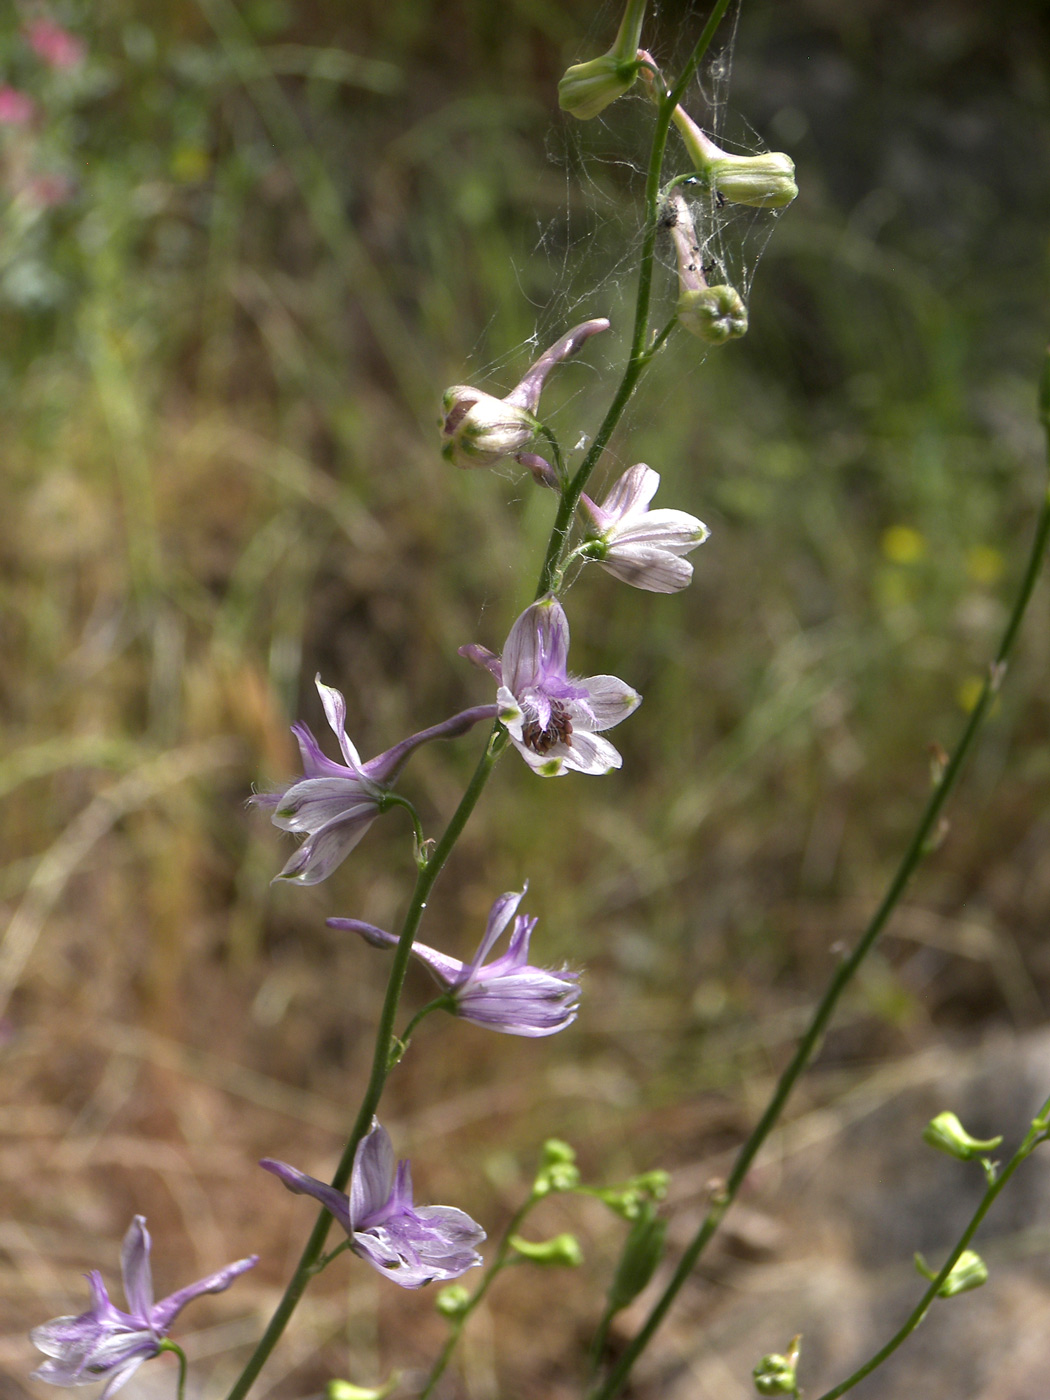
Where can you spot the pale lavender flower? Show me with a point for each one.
(334, 804)
(553, 718)
(642, 547)
(410, 1244)
(507, 994)
(479, 429)
(107, 1344)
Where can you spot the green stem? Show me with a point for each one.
(919, 846)
(456, 1325)
(445, 1002)
(1036, 1134)
(380, 1061)
(180, 1386)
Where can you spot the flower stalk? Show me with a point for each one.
(918, 848)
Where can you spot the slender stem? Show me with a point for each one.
(380, 1061)
(180, 1384)
(499, 1263)
(920, 845)
(1036, 1134)
(445, 1002)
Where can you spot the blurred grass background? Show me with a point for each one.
(243, 248)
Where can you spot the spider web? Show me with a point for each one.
(584, 261)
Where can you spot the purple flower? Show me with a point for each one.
(507, 994)
(105, 1342)
(642, 547)
(412, 1245)
(334, 804)
(553, 718)
(479, 429)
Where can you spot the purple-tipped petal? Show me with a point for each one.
(500, 915)
(335, 1202)
(135, 1268)
(527, 394)
(445, 970)
(373, 1175)
(483, 658)
(165, 1312)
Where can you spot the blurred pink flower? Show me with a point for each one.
(16, 108)
(48, 191)
(55, 45)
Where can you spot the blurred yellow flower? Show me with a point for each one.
(903, 545)
(984, 564)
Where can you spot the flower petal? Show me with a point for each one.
(537, 648)
(670, 529)
(500, 916)
(136, 1271)
(632, 492)
(373, 1176)
(609, 700)
(165, 1312)
(648, 567)
(321, 852)
(335, 1202)
(445, 970)
(590, 753)
(335, 713)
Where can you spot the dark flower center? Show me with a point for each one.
(558, 730)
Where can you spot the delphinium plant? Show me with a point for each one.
(557, 722)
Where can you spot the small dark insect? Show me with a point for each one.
(708, 267)
(720, 199)
(669, 216)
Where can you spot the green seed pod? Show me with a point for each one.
(642, 1252)
(562, 1252)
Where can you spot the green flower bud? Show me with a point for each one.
(451, 1302)
(715, 314)
(947, 1134)
(478, 430)
(587, 88)
(557, 1153)
(776, 1374)
(562, 1252)
(766, 181)
(641, 1254)
(968, 1272)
